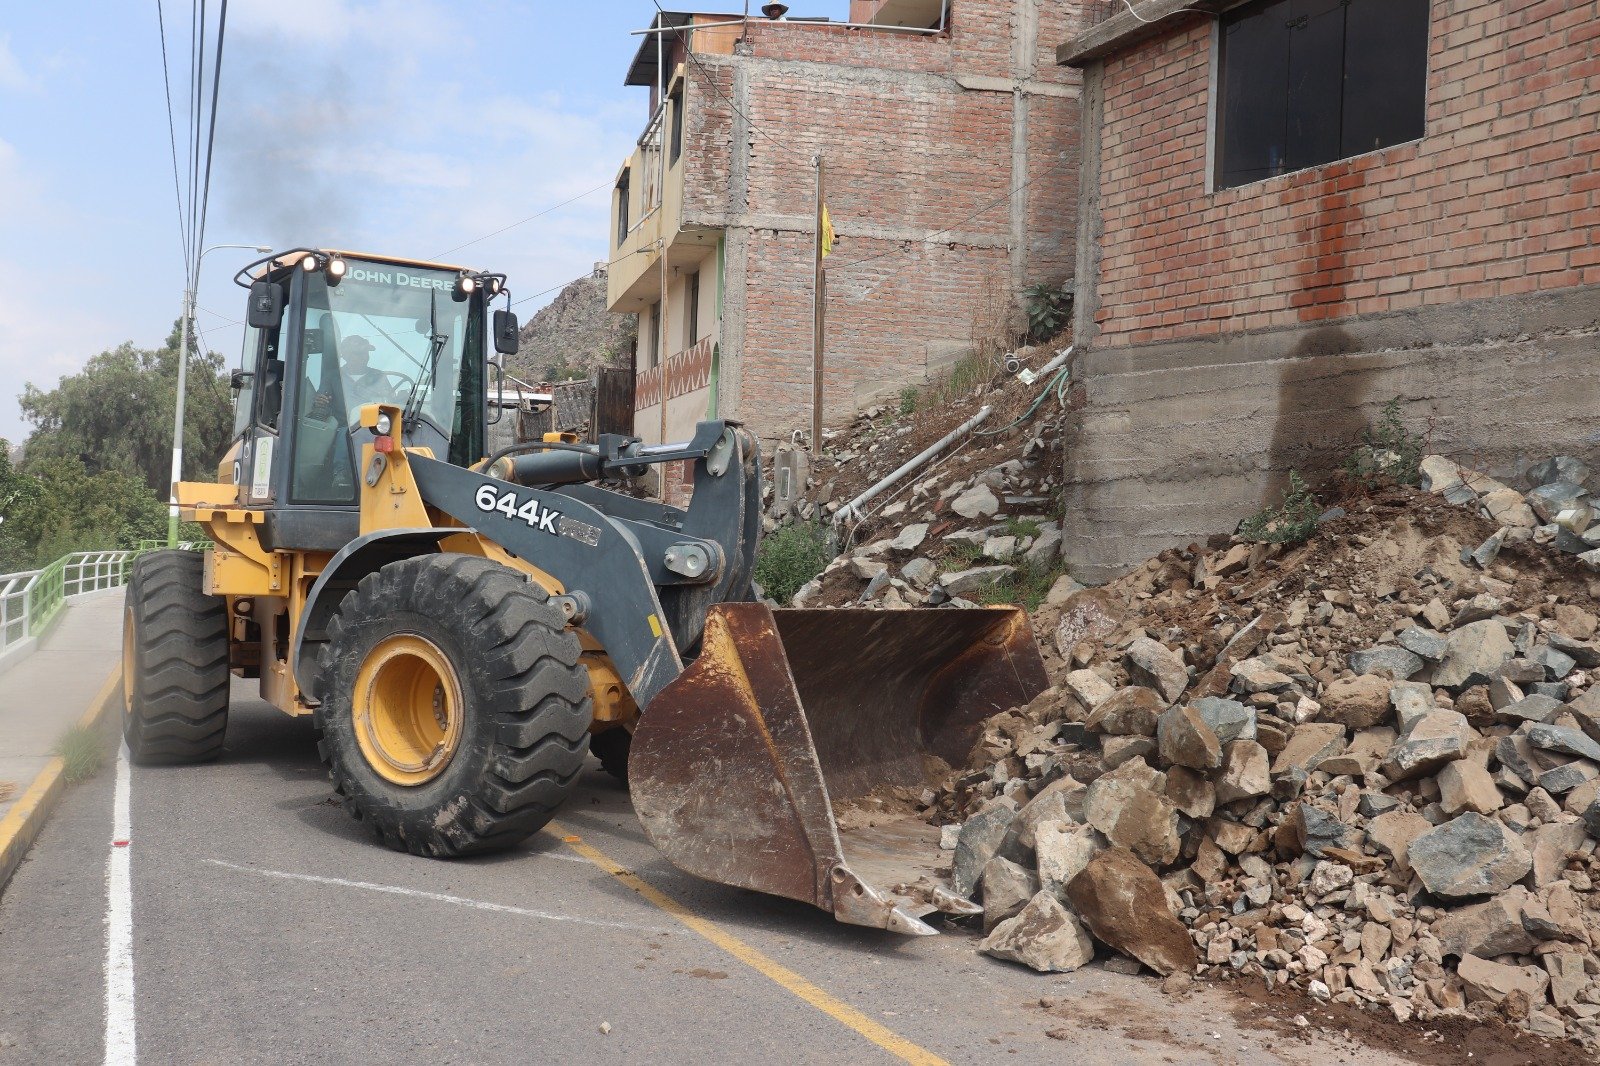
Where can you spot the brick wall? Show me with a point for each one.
(910, 151)
(1500, 198)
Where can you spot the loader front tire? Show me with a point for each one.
(454, 714)
(174, 661)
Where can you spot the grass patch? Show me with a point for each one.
(964, 375)
(1026, 588)
(790, 557)
(1023, 527)
(82, 752)
(908, 400)
(961, 555)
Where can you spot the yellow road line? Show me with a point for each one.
(27, 816)
(840, 1011)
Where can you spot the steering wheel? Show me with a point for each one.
(405, 383)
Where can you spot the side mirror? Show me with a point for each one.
(239, 379)
(266, 305)
(505, 332)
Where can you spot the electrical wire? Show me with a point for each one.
(172, 138)
(1151, 22)
(211, 136)
(523, 222)
(1057, 385)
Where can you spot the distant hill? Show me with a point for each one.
(573, 334)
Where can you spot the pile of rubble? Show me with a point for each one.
(1366, 767)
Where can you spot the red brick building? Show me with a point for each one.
(949, 135)
(1293, 211)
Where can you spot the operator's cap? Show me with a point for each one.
(355, 343)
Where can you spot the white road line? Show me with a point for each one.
(121, 1046)
(437, 897)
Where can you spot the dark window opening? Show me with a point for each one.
(677, 127)
(622, 209)
(691, 317)
(1307, 82)
(655, 334)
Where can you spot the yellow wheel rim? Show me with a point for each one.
(407, 710)
(127, 660)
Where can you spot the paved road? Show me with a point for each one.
(266, 927)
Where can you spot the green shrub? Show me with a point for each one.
(1049, 311)
(961, 555)
(790, 557)
(908, 400)
(1387, 451)
(1026, 588)
(1291, 522)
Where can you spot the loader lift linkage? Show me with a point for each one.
(462, 629)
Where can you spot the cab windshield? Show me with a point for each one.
(385, 334)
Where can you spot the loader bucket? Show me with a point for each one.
(740, 767)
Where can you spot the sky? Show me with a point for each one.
(402, 126)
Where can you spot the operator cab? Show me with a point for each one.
(330, 331)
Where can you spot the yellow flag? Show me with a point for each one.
(827, 233)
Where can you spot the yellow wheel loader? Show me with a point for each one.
(464, 628)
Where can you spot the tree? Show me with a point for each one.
(115, 415)
(56, 506)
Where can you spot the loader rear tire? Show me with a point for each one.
(611, 748)
(455, 713)
(174, 661)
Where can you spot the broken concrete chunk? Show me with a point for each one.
(1474, 652)
(1130, 711)
(1362, 701)
(1487, 929)
(1245, 772)
(1124, 905)
(1391, 658)
(978, 842)
(1043, 935)
(1465, 785)
(1007, 888)
(1156, 666)
(1310, 744)
(1184, 739)
(1470, 855)
(1439, 737)
(1424, 643)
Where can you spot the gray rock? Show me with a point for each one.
(1560, 738)
(1423, 642)
(1550, 499)
(1581, 652)
(1063, 850)
(1559, 468)
(1314, 830)
(1229, 719)
(1007, 888)
(1245, 772)
(1439, 737)
(1516, 754)
(1000, 549)
(1042, 553)
(1130, 711)
(1373, 804)
(911, 537)
(1439, 474)
(1184, 739)
(1475, 651)
(1043, 935)
(978, 500)
(1489, 550)
(1533, 708)
(1560, 780)
(1557, 664)
(978, 842)
(979, 577)
(1470, 855)
(1155, 666)
(1487, 929)
(1412, 702)
(1477, 609)
(1591, 818)
(920, 572)
(1391, 657)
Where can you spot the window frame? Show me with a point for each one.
(691, 310)
(655, 335)
(1214, 109)
(624, 189)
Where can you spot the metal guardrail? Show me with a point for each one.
(31, 600)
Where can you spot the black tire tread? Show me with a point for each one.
(178, 710)
(528, 679)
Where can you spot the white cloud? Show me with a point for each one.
(12, 76)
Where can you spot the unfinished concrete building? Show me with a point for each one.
(949, 136)
(1293, 211)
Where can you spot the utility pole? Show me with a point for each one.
(184, 325)
(819, 282)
